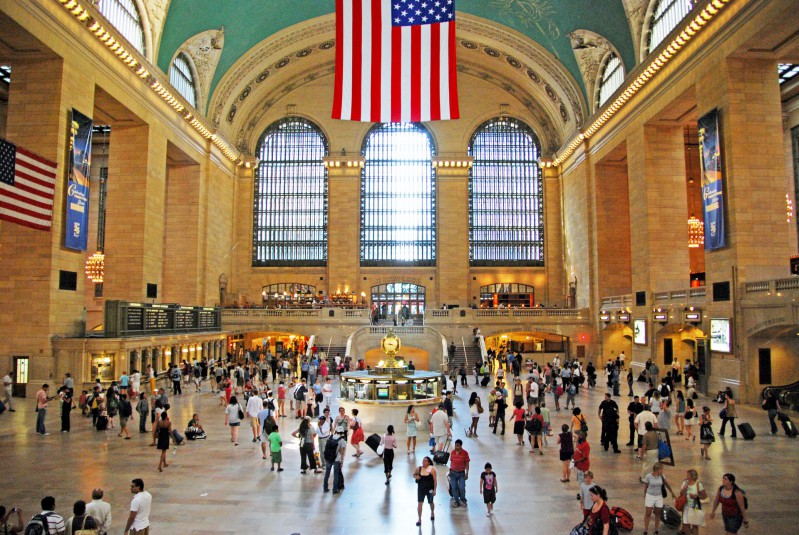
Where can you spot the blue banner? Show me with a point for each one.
(80, 158)
(712, 181)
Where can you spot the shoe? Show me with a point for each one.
(12, 410)
(456, 504)
(45, 434)
(302, 471)
(272, 469)
(629, 444)
(326, 490)
(432, 517)
(126, 438)
(337, 491)
(254, 440)
(488, 514)
(279, 469)
(386, 481)
(541, 452)
(317, 471)
(419, 523)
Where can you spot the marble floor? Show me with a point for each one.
(213, 487)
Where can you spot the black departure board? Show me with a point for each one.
(123, 318)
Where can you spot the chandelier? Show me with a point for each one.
(95, 267)
(696, 233)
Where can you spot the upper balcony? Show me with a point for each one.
(526, 316)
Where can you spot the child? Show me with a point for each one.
(585, 495)
(489, 488)
(82, 403)
(275, 443)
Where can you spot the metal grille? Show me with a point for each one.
(124, 16)
(101, 209)
(182, 79)
(290, 201)
(506, 201)
(667, 15)
(612, 77)
(5, 74)
(786, 71)
(398, 197)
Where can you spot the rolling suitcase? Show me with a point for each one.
(177, 437)
(787, 425)
(102, 423)
(442, 457)
(671, 517)
(621, 518)
(373, 441)
(747, 431)
(484, 381)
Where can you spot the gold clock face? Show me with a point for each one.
(391, 344)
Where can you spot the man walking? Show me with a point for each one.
(139, 518)
(174, 373)
(8, 385)
(441, 428)
(609, 414)
(633, 409)
(324, 429)
(459, 473)
(255, 405)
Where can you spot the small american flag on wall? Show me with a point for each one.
(395, 61)
(27, 187)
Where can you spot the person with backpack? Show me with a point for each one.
(534, 426)
(48, 522)
(174, 374)
(125, 412)
(571, 391)
(733, 505)
(81, 523)
(299, 395)
(306, 435)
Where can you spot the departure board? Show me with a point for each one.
(123, 318)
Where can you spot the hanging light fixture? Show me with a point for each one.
(95, 267)
(696, 232)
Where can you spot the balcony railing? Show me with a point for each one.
(771, 286)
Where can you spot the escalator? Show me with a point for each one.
(788, 395)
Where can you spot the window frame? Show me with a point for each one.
(124, 26)
(661, 32)
(605, 78)
(188, 79)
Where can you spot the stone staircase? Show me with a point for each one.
(472, 356)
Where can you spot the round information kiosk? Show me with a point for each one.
(382, 395)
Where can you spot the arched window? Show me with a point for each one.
(398, 197)
(612, 77)
(182, 79)
(124, 16)
(665, 17)
(403, 299)
(506, 201)
(290, 200)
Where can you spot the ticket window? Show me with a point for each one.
(102, 367)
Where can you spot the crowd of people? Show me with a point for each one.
(309, 399)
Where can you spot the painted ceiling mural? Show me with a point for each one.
(248, 22)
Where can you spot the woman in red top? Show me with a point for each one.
(600, 512)
(733, 507)
(518, 423)
(581, 457)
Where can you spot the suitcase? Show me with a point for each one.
(442, 457)
(747, 431)
(789, 427)
(177, 437)
(484, 381)
(373, 441)
(621, 518)
(102, 423)
(671, 517)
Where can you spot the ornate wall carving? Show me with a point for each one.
(156, 13)
(589, 49)
(636, 13)
(204, 49)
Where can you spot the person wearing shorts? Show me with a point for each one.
(275, 443)
(489, 488)
(654, 483)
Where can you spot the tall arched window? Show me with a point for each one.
(125, 17)
(398, 197)
(665, 17)
(506, 200)
(612, 77)
(290, 200)
(182, 78)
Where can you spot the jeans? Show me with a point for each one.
(338, 477)
(457, 481)
(772, 413)
(328, 468)
(307, 457)
(732, 424)
(40, 416)
(176, 387)
(143, 422)
(322, 444)
(500, 419)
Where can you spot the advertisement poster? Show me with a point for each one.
(720, 336)
(639, 332)
(80, 159)
(712, 181)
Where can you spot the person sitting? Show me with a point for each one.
(195, 430)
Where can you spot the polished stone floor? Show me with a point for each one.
(213, 487)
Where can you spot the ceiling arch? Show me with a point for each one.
(306, 52)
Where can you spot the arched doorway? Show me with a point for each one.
(398, 301)
(507, 295)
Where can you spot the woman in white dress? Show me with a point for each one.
(693, 516)
(412, 426)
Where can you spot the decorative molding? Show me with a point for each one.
(156, 13)
(590, 49)
(204, 49)
(636, 13)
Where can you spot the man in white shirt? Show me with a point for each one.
(255, 405)
(327, 392)
(8, 383)
(324, 429)
(100, 511)
(441, 428)
(139, 519)
(640, 425)
(621, 359)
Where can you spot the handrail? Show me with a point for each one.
(465, 356)
(311, 343)
(483, 348)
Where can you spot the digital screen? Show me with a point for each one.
(382, 392)
(661, 316)
(720, 339)
(639, 332)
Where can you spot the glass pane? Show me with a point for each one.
(123, 15)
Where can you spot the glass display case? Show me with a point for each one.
(413, 386)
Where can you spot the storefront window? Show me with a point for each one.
(102, 367)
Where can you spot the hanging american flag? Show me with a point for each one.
(395, 61)
(27, 186)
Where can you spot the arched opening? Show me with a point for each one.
(398, 303)
(507, 295)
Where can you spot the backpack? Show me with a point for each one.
(558, 390)
(583, 425)
(572, 389)
(126, 410)
(38, 525)
(299, 393)
(534, 426)
(331, 450)
(269, 425)
(270, 404)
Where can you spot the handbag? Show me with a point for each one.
(680, 502)
(241, 413)
(723, 413)
(580, 529)
(83, 530)
(706, 433)
(380, 449)
(663, 491)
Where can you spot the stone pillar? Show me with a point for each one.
(658, 209)
(182, 272)
(33, 309)
(344, 226)
(553, 238)
(612, 201)
(452, 235)
(134, 236)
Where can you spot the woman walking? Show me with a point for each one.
(518, 423)
(389, 443)
(427, 482)
(679, 414)
(306, 435)
(728, 415)
(706, 437)
(475, 408)
(163, 428)
(566, 441)
(733, 505)
(233, 417)
(357, 433)
(599, 515)
(691, 420)
(412, 427)
(693, 517)
(655, 486)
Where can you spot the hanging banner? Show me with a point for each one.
(80, 159)
(712, 181)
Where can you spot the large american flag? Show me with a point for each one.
(27, 186)
(395, 61)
